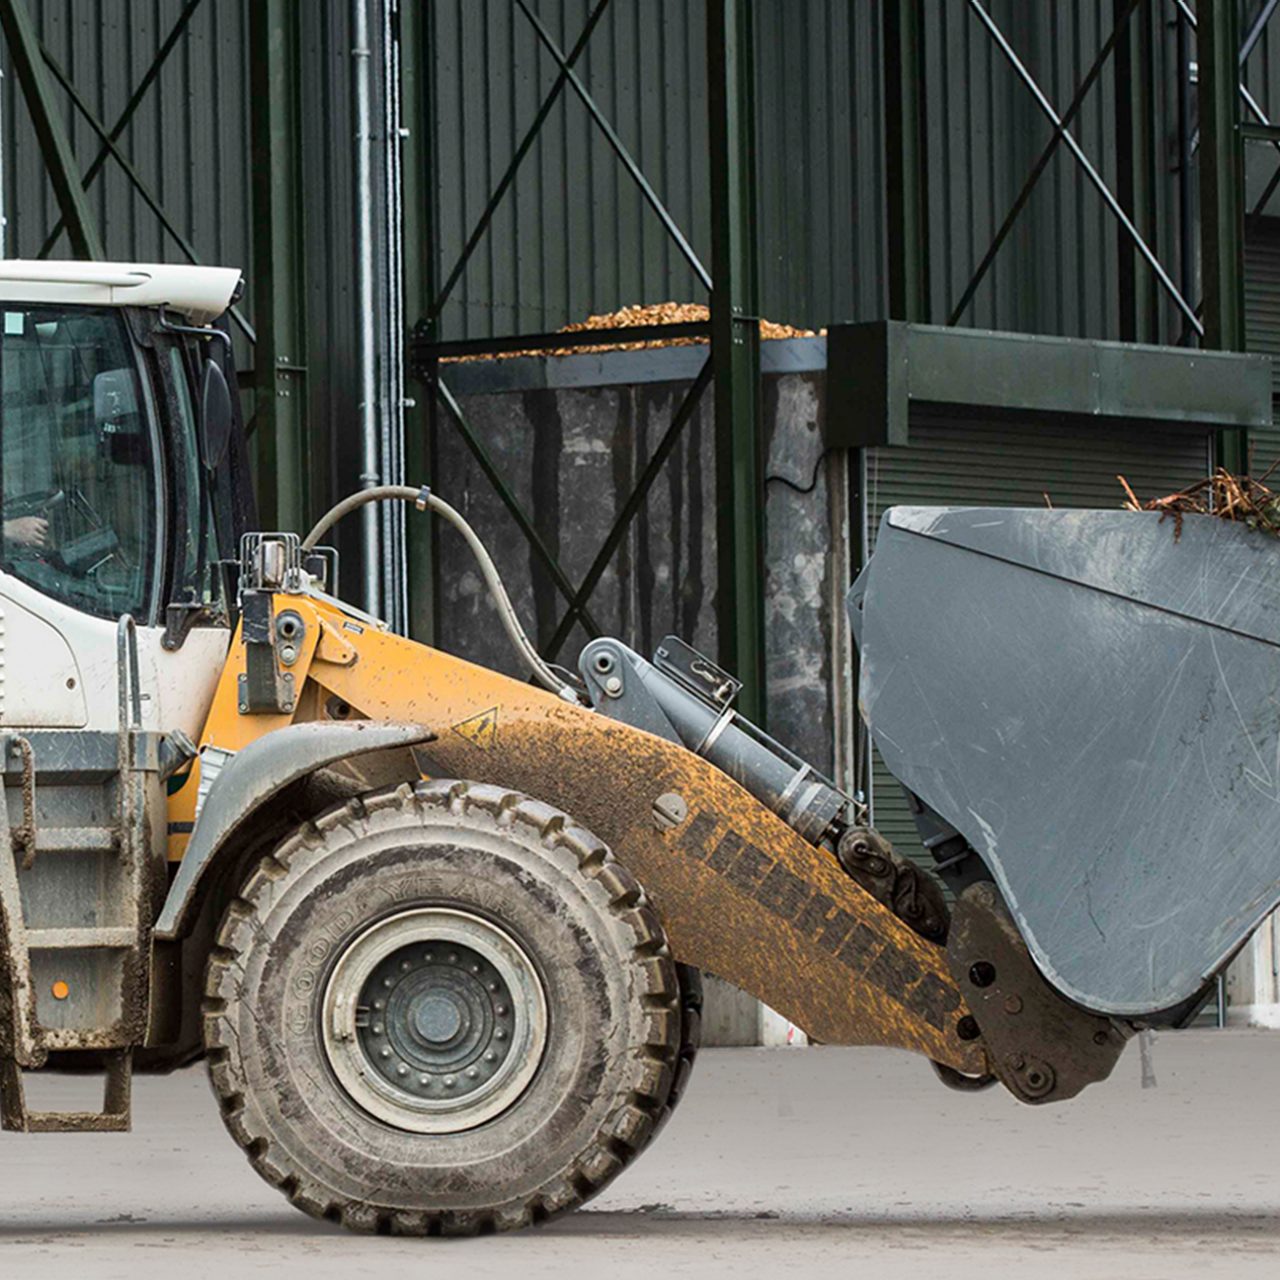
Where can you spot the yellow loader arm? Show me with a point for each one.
(739, 893)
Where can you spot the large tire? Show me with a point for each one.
(690, 980)
(309, 927)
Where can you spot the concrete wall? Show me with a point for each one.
(577, 431)
(1253, 981)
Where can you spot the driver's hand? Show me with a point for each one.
(27, 531)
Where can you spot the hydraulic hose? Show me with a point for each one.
(425, 500)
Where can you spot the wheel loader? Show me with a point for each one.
(438, 932)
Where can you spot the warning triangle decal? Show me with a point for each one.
(481, 731)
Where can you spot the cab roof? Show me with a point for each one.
(200, 294)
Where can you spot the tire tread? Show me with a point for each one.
(659, 1066)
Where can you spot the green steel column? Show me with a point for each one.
(419, 294)
(51, 132)
(1136, 169)
(907, 243)
(735, 349)
(287, 468)
(1222, 193)
(906, 182)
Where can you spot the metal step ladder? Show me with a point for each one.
(81, 880)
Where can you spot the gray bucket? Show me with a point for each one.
(1096, 707)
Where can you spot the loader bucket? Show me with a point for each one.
(1094, 704)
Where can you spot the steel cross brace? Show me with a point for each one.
(1255, 31)
(564, 76)
(635, 500)
(1245, 96)
(51, 133)
(135, 178)
(619, 149)
(578, 599)
(1095, 178)
(517, 158)
(509, 500)
(1042, 163)
(135, 99)
(1246, 48)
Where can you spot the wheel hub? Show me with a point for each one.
(437, 1019)
(434, 1020)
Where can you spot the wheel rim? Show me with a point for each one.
(434, 1020)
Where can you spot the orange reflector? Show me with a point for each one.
(60, 990)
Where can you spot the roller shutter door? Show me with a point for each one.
(960, 462)
(1262, 326)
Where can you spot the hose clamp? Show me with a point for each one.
(721, 724)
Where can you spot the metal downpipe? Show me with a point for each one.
(395, 573)
(370, 442)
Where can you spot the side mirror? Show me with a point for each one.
(216, 415)
(121, 430)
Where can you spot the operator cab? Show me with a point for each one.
(123, 475)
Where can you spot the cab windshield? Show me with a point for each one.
(78, 476)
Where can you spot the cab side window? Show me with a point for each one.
(77, 464)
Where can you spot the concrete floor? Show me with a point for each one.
(810, 1162)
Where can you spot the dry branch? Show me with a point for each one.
(1228, 497)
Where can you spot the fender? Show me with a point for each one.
(251, 778)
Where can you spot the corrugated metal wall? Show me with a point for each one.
(190, 142)
(574, 235)
(188, 138)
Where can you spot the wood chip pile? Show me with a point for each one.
(1229, 497)
(647, 314)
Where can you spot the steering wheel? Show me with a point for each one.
(39, 504)
(75, 556)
